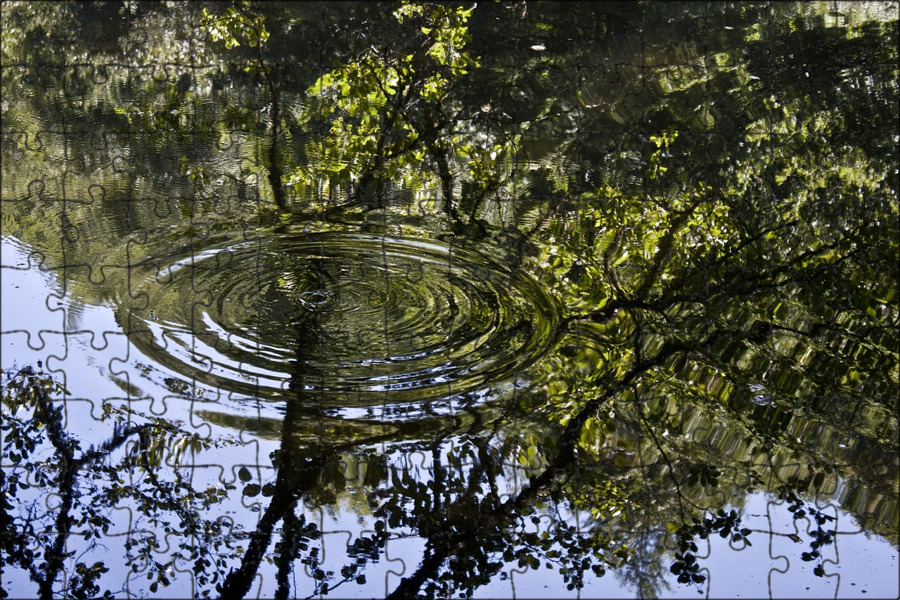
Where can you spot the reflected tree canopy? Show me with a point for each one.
(518, 285)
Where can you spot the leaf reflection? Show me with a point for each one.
(516, 286)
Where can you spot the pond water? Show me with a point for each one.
(350, 319)
(500, 300)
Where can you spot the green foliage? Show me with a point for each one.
(388, 113)
(688, 290)
(237, 26)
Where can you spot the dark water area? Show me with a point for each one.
(521, 299)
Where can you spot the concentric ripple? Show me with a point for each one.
(348, 319)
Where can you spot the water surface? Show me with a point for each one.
(507, 300)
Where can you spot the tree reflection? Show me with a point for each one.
(128, 469)
(719, 225)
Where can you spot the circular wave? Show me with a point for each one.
(349, 319)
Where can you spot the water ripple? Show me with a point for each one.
(346, 319)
